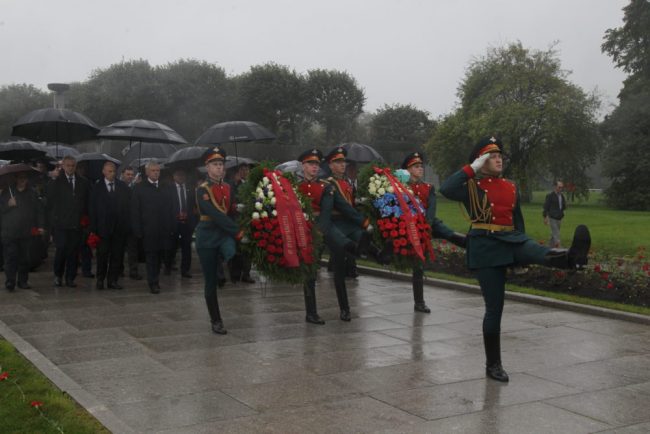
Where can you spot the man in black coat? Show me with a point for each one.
(151, 221)
(554, 207)
(67, 203)
(110, 221)
(184, 220)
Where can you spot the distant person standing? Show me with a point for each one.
(183, 215)
(554, 207)
(67, 202)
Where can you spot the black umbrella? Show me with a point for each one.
(59, 151)
(148, 150)
(21, 150)
(141, 162)
(55, 125)
(7, 172)
(233, 132)
(96, 156)
(232, 161)
(94, 162)
(360, 153)
(186, 158)
(141, 130)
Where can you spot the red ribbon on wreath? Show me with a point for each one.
(411, 226)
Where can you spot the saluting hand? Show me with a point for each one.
(479, 162)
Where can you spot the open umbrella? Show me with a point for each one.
(186, 158)
(232, 161)
(59, 151)
(96, 156)
(22, 150)
(148, 150)
(360, 153)
(94, 162)
(139, 163)
(7, 172)
(55, 125)
(141, 130)
(234, 132)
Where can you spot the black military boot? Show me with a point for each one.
(579, 249)
(418, 292)
(493, 368)
(310, 303)
(557, 258)
(215, 316)
(459, 239)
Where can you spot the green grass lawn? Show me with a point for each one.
(23, 385)
(619, 233)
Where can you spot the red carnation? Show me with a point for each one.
(385, 234)
(610, 285)
(268, 226)
(597, 268)
(36, 404)
(403, 252)
(270, 248)
(270, 258)
(396, 244)
(402, 232)
(393, 233)
(404, 241)
(4, 376)
(402, 224)
(261, 243)
(257, 235)
(278, 241)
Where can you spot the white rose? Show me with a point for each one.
(265, 181)
(275, 213)
(264, 214)
(381, 191)
(270, 193)
(273, 200)
(259, 190)
(256, 216)
(372, 178)
(372, 189)
(258, 206)
(378, 183)
(390, 189)
(261, 195)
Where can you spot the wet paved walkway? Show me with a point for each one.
(152, 361)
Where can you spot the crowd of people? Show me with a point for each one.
(137, 214)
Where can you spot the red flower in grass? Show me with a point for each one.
(560, 274)
(36, 404)
(4, 376)
(610, 285)
(605, 276)
(597, 268)
(646, 267)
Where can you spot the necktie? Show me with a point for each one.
(183, 199)
(71, 181)
(110, 187)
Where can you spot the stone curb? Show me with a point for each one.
(525, 298)
(65, 383)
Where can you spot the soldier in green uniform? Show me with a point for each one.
(497, 238)
(345, 229)
(216, 233)
(414, 164)
(314, 189)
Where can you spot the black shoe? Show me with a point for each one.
(313, 318)
(115, 285)
(247, 279)
(99, 285)
(58, 282)
(167, 271)
(154, 289)
(421, 307)
(70, 284)
(88, 275)
(352, 274)
(579, 249)
(24, 285)
(345, 315)
(218, 328)
(10, 286)
(135, 276)
(186, 275)
(496, 372)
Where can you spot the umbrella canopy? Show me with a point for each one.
(232, 161)
(233, 132)
(59, 151)
(55, 125)
(21, 150)
(148, 150)
(94, 164)
(360, 153)
(140, 162)
(186, 158)
(7, 172)
(141, 130)
(96, 156)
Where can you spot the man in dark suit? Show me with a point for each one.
(67, 203)
(132, 247)
(184, 217)
(110, 220)
(151, 221)
(554, 207)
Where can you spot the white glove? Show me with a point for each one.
(479, 162)
(240, 207)
(244, 240)
(370, 228)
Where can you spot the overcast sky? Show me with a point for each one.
(407, 51)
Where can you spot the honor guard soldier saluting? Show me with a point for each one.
(414, 164)
(497, 238)
(344, 228)
(216, 232)
(314, 189)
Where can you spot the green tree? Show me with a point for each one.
(17, 100)
(400, 125)
(627, 129)
(547, 123)
(335, 102)
(274, 96)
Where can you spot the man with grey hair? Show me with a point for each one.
(151, 221)
(67, 206)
